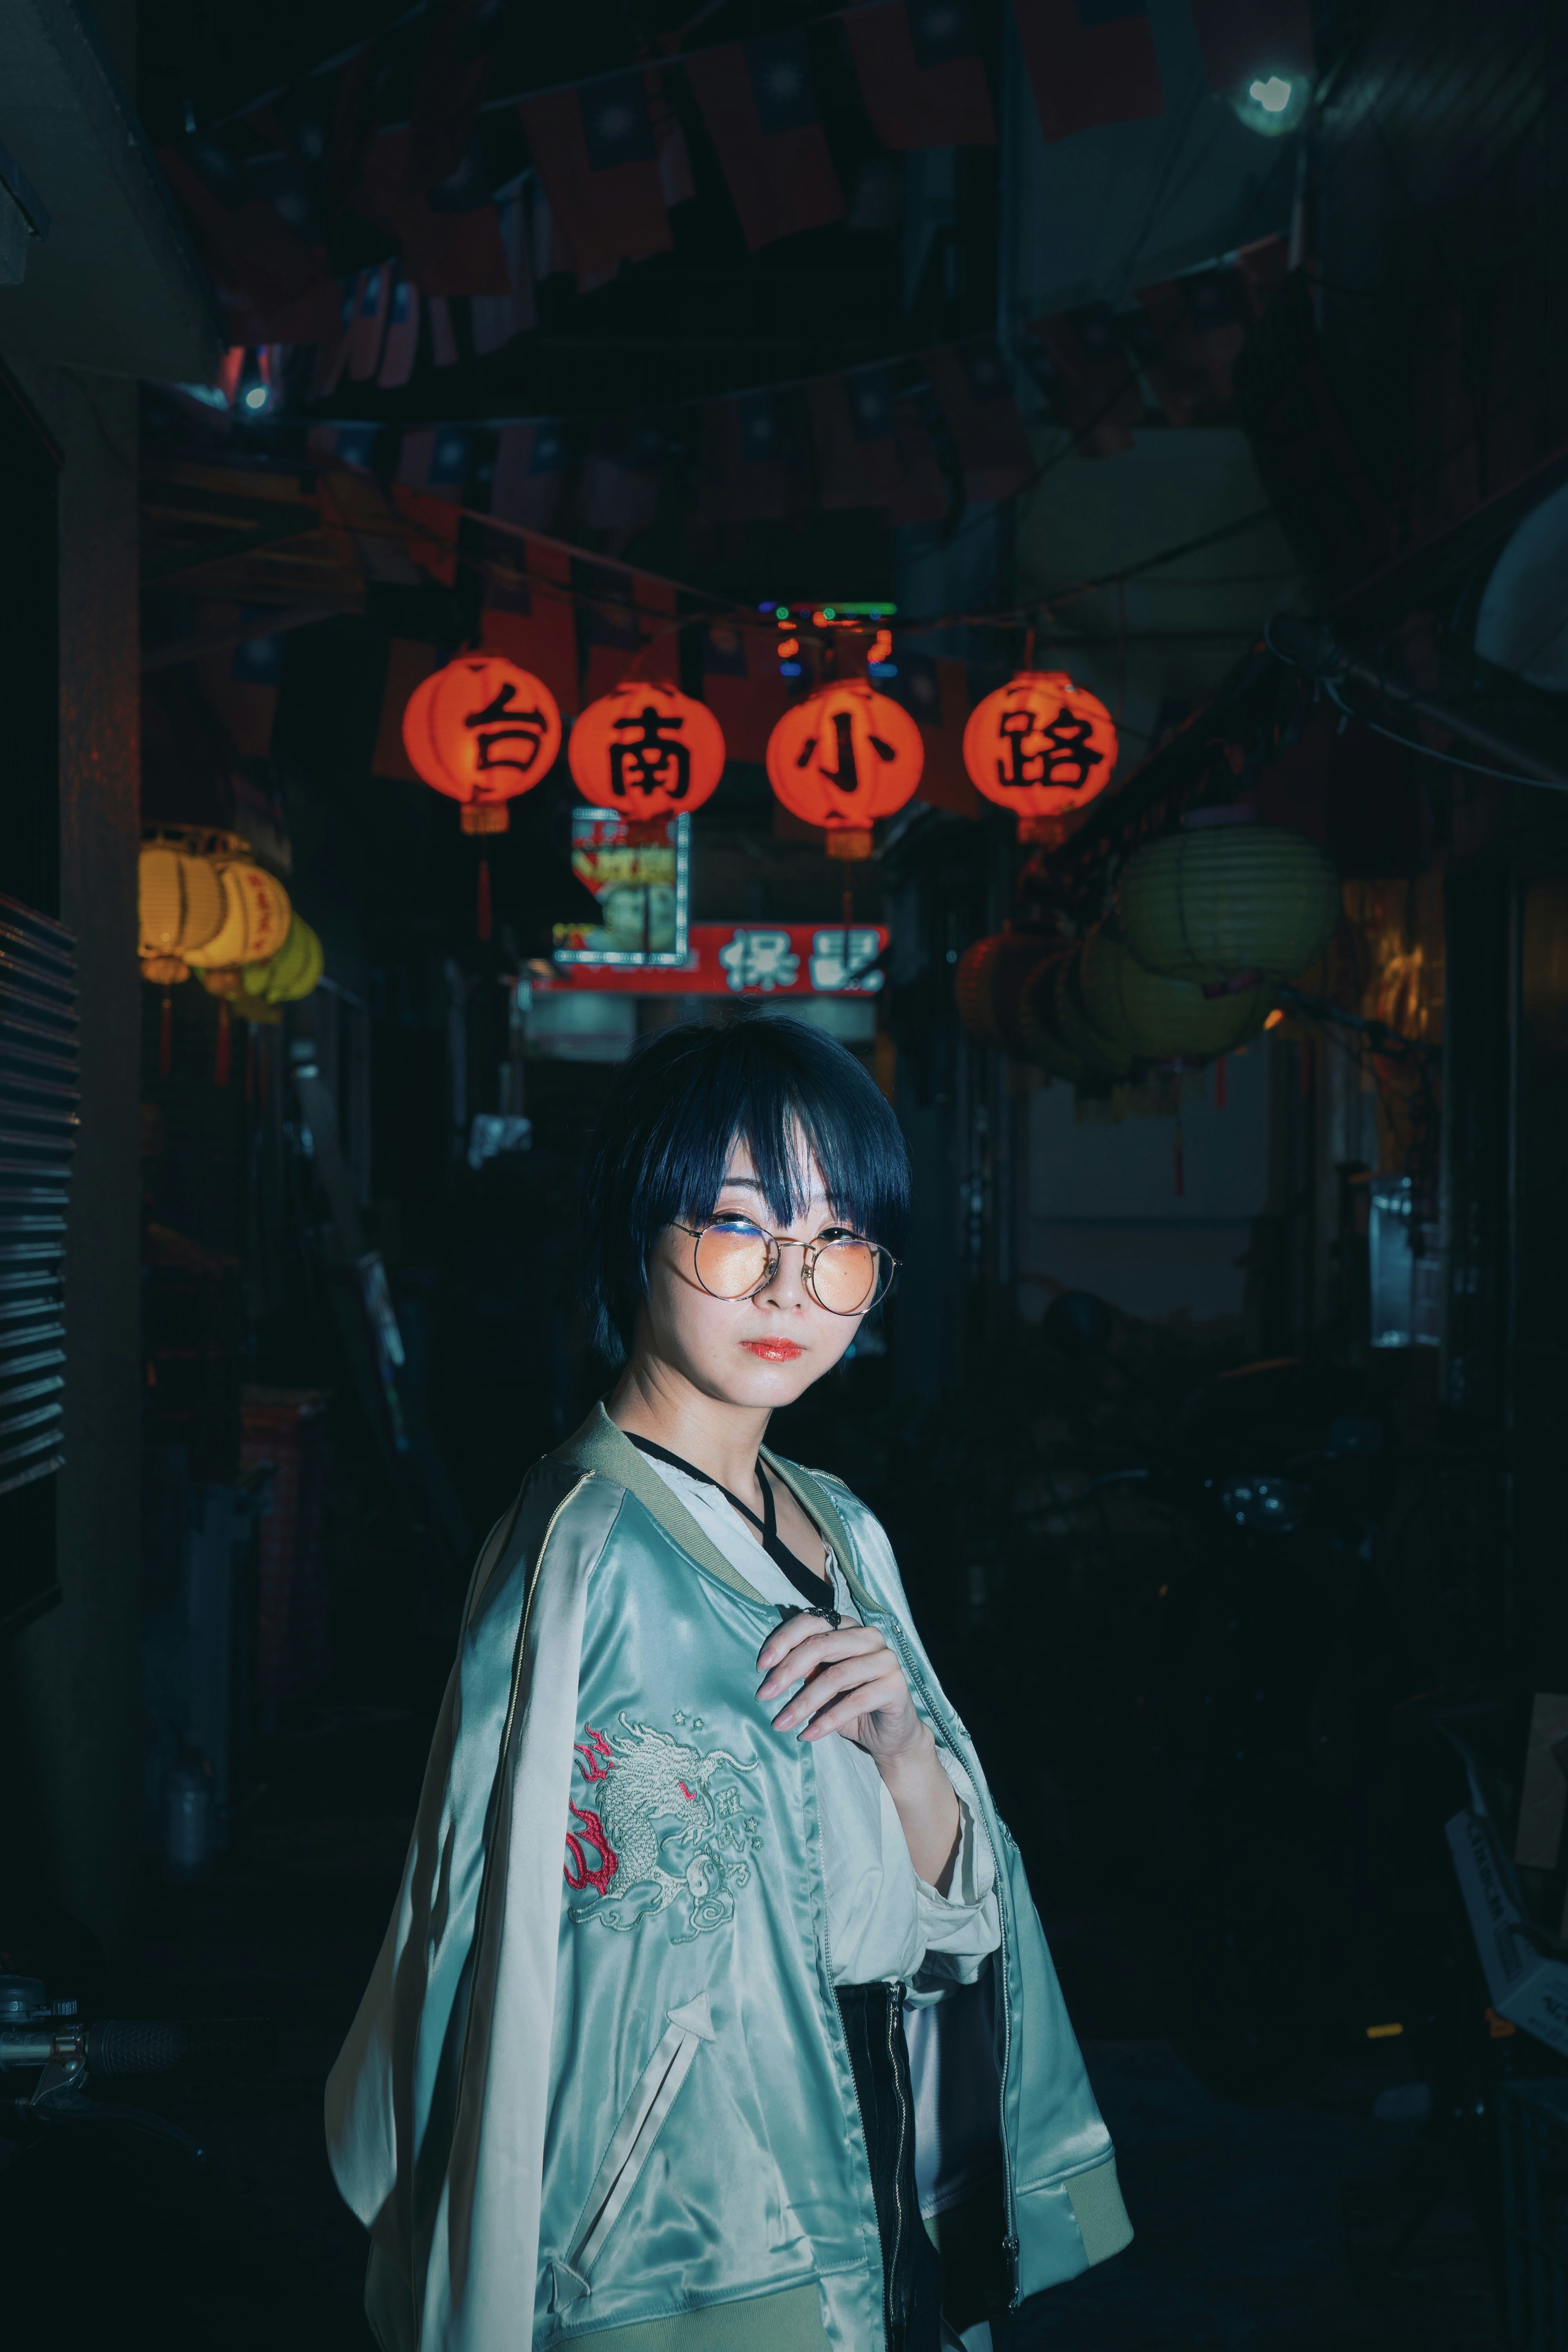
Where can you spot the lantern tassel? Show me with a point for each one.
(221, 1049)
(250, 1080)
(1181, 1161)
(166, 1034)
(483, 918)
(1219, 1083)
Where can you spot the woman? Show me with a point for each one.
(698, 1822)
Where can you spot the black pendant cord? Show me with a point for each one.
(816, 1589)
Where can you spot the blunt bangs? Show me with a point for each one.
(680, 1104)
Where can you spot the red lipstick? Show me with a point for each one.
(773, 1351)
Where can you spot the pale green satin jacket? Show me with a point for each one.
(597, 2085)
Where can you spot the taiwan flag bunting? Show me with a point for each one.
(622, 612)
(741, 686)
(357, 504)
(1089, 62)
(759, 104)
(402, 345)
(596, 153)
(332, 350)
(453, 76)
(241, 684)
(254, 253)
(970, 383)
(409, 662)
(852, 428)
(1190, 340)
(922, 495)
(529, 615)
(676, 183)
(349, 445)
(936, 693)
(372, 300)
(497, 319)
(621, 475)
(1090, 379)
(921, 73)
(1242, 40)
(431, 469)
(528, 483)
(450, 235)
(443, 334)
(742, 475)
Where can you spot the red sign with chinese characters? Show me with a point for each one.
(750, 960)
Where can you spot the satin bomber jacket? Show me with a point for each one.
(598, 2081)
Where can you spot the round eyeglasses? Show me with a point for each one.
(843, 1272)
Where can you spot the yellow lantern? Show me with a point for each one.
(288, 976)
(1159, 1018)
(180, 907)
(1220, 901)
(256, 917)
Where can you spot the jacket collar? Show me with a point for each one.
(601, 1447)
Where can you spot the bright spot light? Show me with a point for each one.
(257, 396)
(1272, 1020)
(781, 612)
(1273, 95)
(789, 669)
(829, 614)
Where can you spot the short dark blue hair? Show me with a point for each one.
(677, 1106)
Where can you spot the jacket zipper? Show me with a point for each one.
(1010, 2242)
(901, 2220)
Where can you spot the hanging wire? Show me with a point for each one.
(1413, 743)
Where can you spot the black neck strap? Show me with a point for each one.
(816, 1589)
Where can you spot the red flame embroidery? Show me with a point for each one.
(599, 1874)
(595, 1768)
(598, 1762)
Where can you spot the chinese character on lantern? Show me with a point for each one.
(646, 751)
(1041, 747)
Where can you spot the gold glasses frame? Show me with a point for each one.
(887, 1264)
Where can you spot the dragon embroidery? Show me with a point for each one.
(634, 1868)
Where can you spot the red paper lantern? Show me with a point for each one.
(481, 730)
(1041, 747)
(842, 758)
(646, 751)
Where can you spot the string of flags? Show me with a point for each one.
(895, 437)
(907, 438)
(427, 137)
